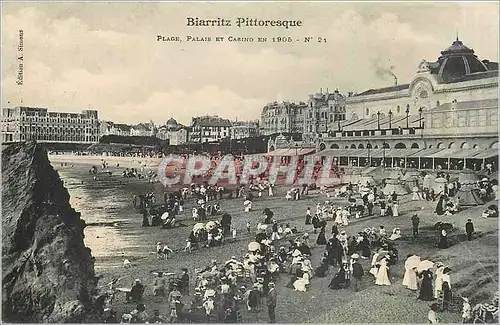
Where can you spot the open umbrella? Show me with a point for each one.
(210, 293)
(382, 254)
(164, 216)
(253, 246)
(412, 261)
(210, 225)
(425, 265)
(206, 275)
(198, 226)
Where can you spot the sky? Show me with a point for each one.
(106, 56)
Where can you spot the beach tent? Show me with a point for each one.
(394, 185)
(366, 179)
(468, 196)
(396, 174)
(438, 185)
(375, 172)
(411, 176)
(467, 178)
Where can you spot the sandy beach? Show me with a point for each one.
(115, 233)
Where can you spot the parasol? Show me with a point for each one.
(206, 275)
(198, 226)
(210, 225)
(412, 262)
(253, 246)
(382, 254)
(210, 293)
(425, 265)
(164, 216)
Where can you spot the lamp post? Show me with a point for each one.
(407, 113)
(383, 150)
(390, 119)
(420, 113)
(378, 120)
(368, 146)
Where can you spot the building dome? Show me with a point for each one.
(458, 61)
(172, 122)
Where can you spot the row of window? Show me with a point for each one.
(57, 120)
(44, 137)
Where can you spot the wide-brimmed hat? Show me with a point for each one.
(355, 256)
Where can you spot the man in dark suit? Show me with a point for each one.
(415, 221)
(357, 273)
(271, 302)
(469, 229)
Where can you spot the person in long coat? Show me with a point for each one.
(426, 293)
(308, 216)
(339, 280)
(443, 239)
(365, 247)
(410, 277)
(383, 274)
(321, 237)
(440, 206)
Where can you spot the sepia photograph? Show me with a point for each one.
(250, 162)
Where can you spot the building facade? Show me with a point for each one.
(449, 103)
(110, 128)
(33, 123)
(209, 129)
(143, 130)
(324, 112)
(242, 130)
(175, 132)
(285, 117)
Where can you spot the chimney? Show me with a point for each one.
(395, 81)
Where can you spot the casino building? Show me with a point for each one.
(450, 103)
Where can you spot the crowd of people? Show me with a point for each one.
(221, 290)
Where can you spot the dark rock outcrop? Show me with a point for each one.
(48, 273)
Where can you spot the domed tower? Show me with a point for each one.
(172, 124)
(458, 61)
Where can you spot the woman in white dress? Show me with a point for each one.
(382, 278)
(301, 284)
(395, 211)
(438, 285)
(345, 217)
(396, 234)
(410, 277)
(415, 196)
(338, 216)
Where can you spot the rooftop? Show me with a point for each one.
(383, 90)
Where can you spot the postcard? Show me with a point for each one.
(249, 162)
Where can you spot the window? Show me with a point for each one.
(367, 111)
(398, 109)
(455, 67)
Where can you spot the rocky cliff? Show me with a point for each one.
(48, 273)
